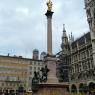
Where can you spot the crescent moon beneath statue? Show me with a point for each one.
(49, 5)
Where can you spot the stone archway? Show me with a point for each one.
(91, 87)
(83, 88)
(73, 89)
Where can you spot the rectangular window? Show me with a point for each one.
(30, 78)
(30, 73)
(38, 68)
(3, 84)
(34, 68)
(30, 67)
(35, 63)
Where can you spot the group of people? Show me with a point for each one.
(6, 92)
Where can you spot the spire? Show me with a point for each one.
(64, 28)
(71, 35)
(64, 39)
(72, 38)
(64, 32)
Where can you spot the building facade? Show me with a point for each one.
(90, 11)
(81, 70)
(34, 66)
(76, 64)
(13, 73)
(18, 71)
(80, 55)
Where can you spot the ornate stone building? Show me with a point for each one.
(80, 55)
(90, 11)
(82, 66)
(76, 65)
(64, 59)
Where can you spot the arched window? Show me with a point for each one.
(91, 87)
(73, 89)
(83, 88)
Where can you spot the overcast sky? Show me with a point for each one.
(23, 25)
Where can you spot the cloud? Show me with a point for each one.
(23, 25)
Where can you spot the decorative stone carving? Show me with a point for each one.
(35, 82)
(44, 71)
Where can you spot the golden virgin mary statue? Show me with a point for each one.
(49, 5)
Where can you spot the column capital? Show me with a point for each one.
(49, 14)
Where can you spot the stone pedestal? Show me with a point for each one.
(51, 86)
(52, 89)
(50, 61)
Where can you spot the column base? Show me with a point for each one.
(52, 89)
(51, 61)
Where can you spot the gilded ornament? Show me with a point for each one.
(49, 5)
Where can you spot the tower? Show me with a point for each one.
(35, 54)
(90, 11)
(62, 63)
(64, 45)
(42, 55)
(49, 14)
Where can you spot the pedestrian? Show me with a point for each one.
(6, 92)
